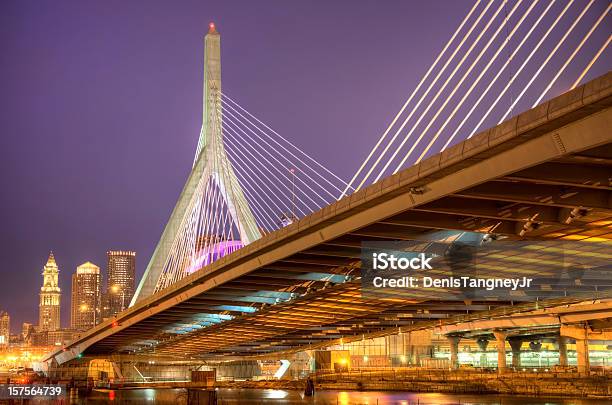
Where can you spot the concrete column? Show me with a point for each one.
(515, 344)
(582, 354)
(482, 344)
(562, 351)
(453, 341)
(500, 338)
(581, 334)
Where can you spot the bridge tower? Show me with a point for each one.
(211, 170)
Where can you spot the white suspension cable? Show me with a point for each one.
(203, 217)
(499, 73)
(211, 234)
(276, 142)
(222, 190)
(229, 115)
(474, 83)
(172, 259)
(552, 53)
(573, 55)
(227, 178)
(230, 118)
(520, 69)
(447, 99)
(592, 62)
(422, 98)
(401, 111)
(252, 169)
(261, 212)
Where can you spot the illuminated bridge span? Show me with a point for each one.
(247, 180)
(543, 174)
(262, 253)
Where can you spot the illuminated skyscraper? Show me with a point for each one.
(50, 293)
(121, 270)
(85, 303)
(5, 328)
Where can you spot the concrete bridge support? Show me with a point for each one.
(482, 344)
(500, 338)
(582, 356)
(581, 334)
(453, 341)
(515, 345)
(562, 351)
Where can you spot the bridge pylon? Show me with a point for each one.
(211, 208)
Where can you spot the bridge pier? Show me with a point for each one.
(581, 334)
(483, 342)
(582, 356)
(562, 342)
(500, 338)
(515, 345)
(453, 341)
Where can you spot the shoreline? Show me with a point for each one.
(554, 385)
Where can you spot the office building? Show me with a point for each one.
(121, 273)
(85, 302)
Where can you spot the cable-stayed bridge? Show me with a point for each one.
(262, 252)
(247, 180)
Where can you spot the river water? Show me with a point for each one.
(283, 397)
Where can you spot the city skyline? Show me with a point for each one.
(79, 280)
(351, 201)
(120, 83)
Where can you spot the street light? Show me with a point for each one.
(115, 289)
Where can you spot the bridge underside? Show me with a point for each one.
(542, 175)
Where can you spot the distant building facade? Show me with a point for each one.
(57, 337)
(121, 272)
(50, 294)
(60, 337)
(26, 330)
(5, 328)
(85, 300)
(105, 311)
(38, 338)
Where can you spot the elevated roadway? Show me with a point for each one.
(543, 174)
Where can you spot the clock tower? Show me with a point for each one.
(49, 307)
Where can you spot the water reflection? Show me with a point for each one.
(285, 397)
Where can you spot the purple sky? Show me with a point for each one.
(101, 109)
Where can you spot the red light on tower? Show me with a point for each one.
(211, 27)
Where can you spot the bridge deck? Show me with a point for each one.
(542, 174)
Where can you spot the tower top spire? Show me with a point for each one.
(212, 29)
(51, 259)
